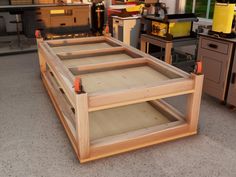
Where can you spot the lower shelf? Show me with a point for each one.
(119, 129)
(119, 120)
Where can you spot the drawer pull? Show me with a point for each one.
(63, 24)
(214, 46)
(75, 20)
(233, 78)
(39, 20)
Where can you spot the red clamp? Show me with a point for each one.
(37, 34)
(198, 67)
(78, 85)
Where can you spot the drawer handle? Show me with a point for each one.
(233, 81)
(214, 46)
(38, 13)
(63, 24)
(39, 20)
(75, 20)
(117, 21)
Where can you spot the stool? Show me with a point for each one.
(2, 26)
(17, 21)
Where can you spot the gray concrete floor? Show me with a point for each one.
(34, 144)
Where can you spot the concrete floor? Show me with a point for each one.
(34, 144)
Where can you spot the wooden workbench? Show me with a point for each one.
(147, 39)
(120, 106)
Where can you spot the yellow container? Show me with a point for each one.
(223, 18)
(177, 29)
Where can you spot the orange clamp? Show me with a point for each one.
(198, 67)
(78, 85)
(37, 34)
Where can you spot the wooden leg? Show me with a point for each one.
(42, 63)
(143, 46)
(148, 45)
(168, 57)
(194, 102)
(82, 125)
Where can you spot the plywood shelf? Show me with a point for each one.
(121, 106)
(124, 119)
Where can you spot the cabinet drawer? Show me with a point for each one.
(63, 21)
(214, 45)
(118, 21)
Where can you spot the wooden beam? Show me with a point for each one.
(138, 134)
(82, 125)
(194, 102)
(163, 89)
(69, 55)
(168, 109)
(100, 151)
(63, 75)
(59, 109)
(59, 42)
(157, 61)
(107, 66)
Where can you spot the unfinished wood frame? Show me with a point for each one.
(121, 106)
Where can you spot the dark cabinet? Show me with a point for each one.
(231, 99)
(58, 19)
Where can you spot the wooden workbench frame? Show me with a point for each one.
(59, 82)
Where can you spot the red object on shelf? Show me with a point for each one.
(129, 3)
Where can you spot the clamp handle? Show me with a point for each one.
(198, 68)
(78, 85)
(37, 34)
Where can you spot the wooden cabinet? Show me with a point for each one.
(57, 19)
(215, 55)
(231, 99)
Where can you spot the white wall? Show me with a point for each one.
(171, 4)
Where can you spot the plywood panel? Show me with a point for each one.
(80, 47)
(121, 79)
(124, 119)
(95, 60)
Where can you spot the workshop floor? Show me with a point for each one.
(33, 142)
(9, 44)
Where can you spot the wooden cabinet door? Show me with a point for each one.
(215, 56)
(81, 16)
(232, 89)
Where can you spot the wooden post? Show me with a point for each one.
(143, 45)
(168, 56)
(194, 103)
(42, 61)
(82, 125)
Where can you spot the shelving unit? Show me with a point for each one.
(120, 107)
